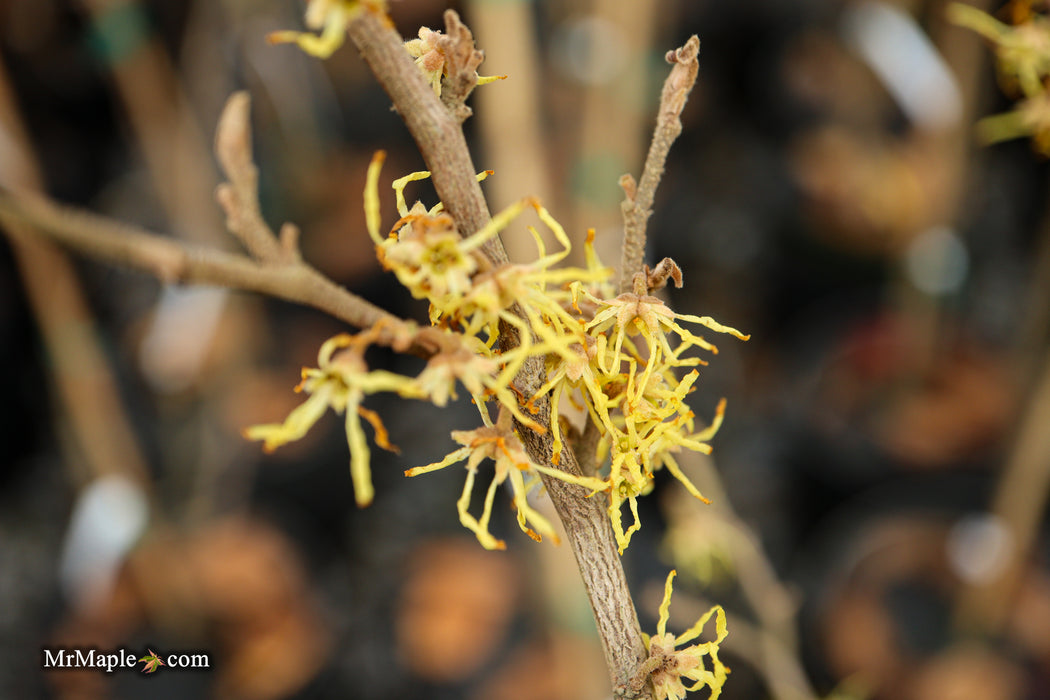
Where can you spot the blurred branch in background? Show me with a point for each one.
(161, 118)
(602, 50)
(105, 564)
(278, 271)
(1019, 505)
(104, 440)
(176, 154)
(102, 455)
(511, 117)
(770, 644)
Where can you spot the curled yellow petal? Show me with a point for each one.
(382, 437)
(372, 217)
(322, 46)
(360, 456)
(295, 426)
(665, 605)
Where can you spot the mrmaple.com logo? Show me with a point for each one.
(110, 661)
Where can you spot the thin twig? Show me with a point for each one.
(638, 199)
(173, 261)
(239, 197)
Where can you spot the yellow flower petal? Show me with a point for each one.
(295, 426)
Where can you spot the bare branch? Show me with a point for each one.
(240, 196)
(638, 200)
(172, 261)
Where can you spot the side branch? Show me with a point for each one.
(239, 197)
(437, 131)
(637, 205)
(176, 262)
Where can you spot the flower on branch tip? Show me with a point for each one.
(340, 382)
(430, 53)
(670, 667)
(331, 18)
(501, 444)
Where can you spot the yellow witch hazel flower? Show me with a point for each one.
(630, 314)
(331, 18)
(670, 667)
(340, 382)
(424, 249)
(435, 262)
(500, 444)
(642, 410)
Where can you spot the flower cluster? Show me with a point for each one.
(616, 358)
(466, 292)
(669, 667)
(634, 394)
(623, 361)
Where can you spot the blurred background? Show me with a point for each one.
(880, 480)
